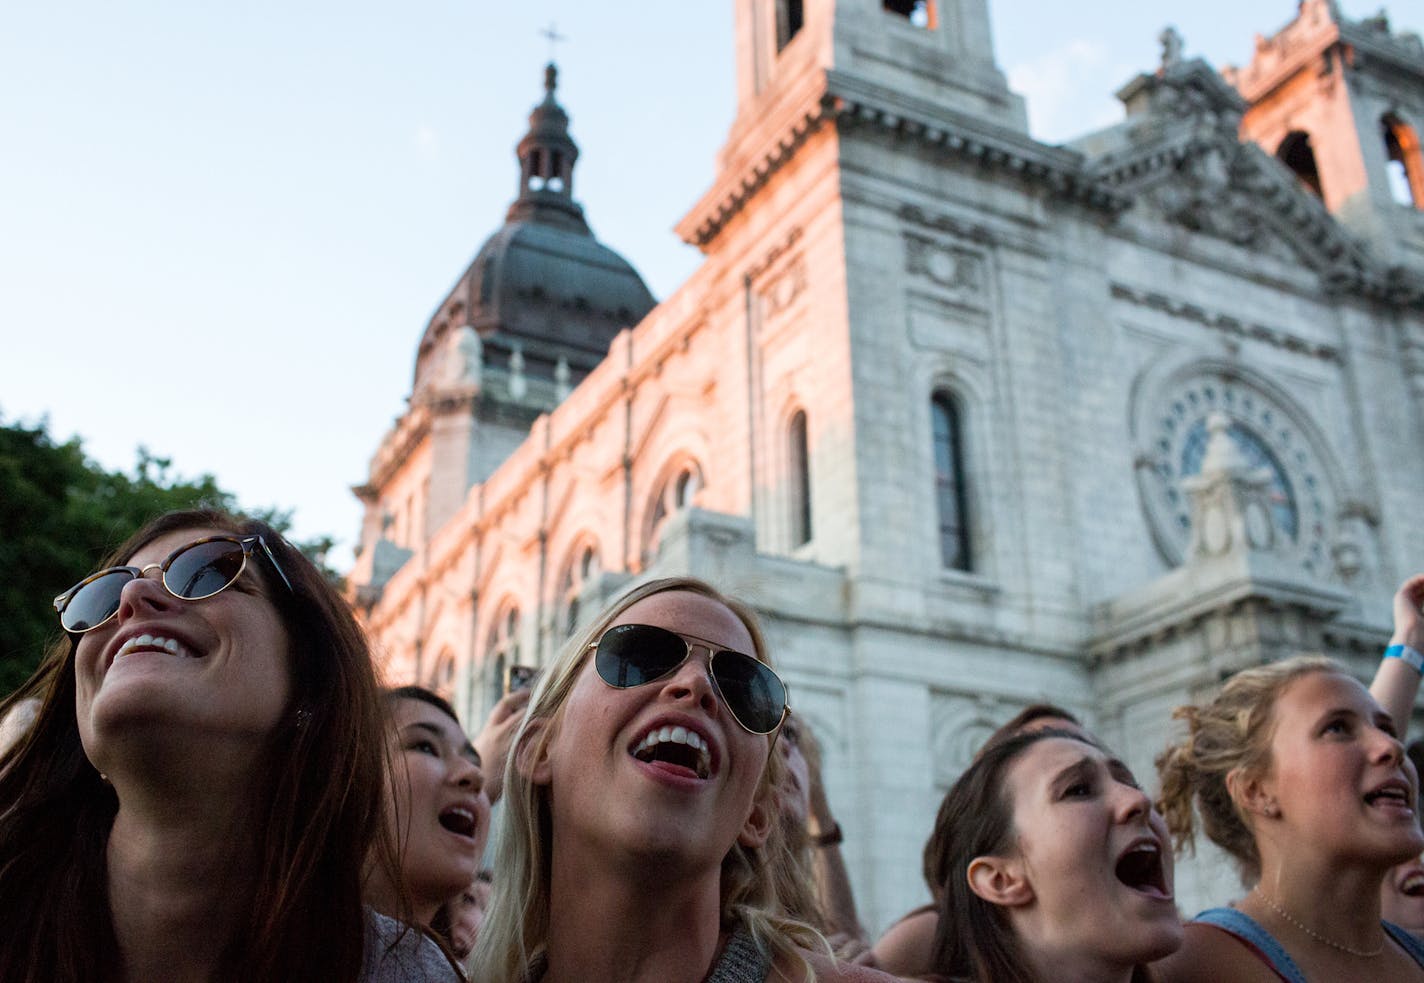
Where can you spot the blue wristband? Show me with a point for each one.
(1410, 657)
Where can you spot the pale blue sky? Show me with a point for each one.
(222, 228)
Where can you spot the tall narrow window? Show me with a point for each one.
(1296, 153)
(579, 573)
(501, 652)
(672, 496)
(790, 17)
(442, 677)
(799, 480)
(951, 496)
(1405, 163)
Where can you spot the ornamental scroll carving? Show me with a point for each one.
(781, 291)
(949, 268)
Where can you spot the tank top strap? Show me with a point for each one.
(1257, 939)
(1407, 942)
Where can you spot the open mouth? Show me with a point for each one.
(1413, 884)
(1391, 794)
(460, 821)
(679, 749)
(1140, 868)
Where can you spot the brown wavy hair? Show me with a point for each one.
(1231, 733)
(323, 802)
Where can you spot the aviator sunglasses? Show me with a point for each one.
(193, 572)
(631, 655)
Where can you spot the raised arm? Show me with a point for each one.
(1396, 683)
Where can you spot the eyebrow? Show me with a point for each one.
(1084, 767)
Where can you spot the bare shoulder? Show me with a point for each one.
(907, 947)
(1209, 955)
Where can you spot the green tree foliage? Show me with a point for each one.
(60, 513)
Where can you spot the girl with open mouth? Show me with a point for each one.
(641, 808)
(204, 782)
(1299, 775)
(1056, 866)
(438, 811)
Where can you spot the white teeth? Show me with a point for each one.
(678, 735)
(154, 643)
(673, 735)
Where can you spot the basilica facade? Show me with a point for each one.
(973, 421)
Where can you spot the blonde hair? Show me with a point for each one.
(516, 930)
(1230, 734)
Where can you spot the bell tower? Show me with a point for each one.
(940, 49)
(1341, 104)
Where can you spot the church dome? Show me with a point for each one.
(542, 285)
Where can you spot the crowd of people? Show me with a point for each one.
(205, 780)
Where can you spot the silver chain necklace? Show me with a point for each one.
(1316, 935)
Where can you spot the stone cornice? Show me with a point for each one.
(732, 192)
(1344, 263)
(1225, 323)
(410, 429)
(969, 137)
(852, 102)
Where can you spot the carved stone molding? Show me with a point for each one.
(947, 268)
(781, 291)
(1226, 323)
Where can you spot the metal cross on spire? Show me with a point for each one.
(554, 37)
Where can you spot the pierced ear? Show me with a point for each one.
(758, 825)
(999, 881)
(1252, 794)
(531, 755)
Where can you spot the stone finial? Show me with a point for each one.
(463, 364)
(518, 384)
(562, 379)
(1172, 46)
(1231, 508)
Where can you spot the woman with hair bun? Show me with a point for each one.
(1299, 775)
(640, 808)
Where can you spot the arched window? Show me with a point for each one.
(581, 570)
(501, 651)
(798, 479)
(1406, 165)
(1296, 153)
(442, 676)
(672, 496)
(951, 493)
